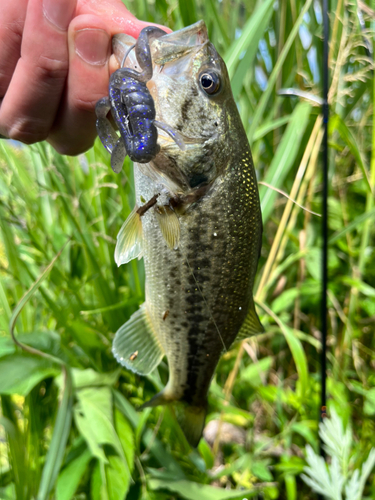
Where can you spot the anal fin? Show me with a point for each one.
(136, 345)
(129, 239)
(251, 325)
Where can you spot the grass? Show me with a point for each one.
(68, 424)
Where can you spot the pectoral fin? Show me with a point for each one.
(169, 225)
(129, 239)
(136, 345)
(251, 325)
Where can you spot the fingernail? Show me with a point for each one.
(92, 45)
(59, 12)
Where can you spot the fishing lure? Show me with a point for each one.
(133, 109)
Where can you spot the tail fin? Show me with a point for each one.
(190, 418)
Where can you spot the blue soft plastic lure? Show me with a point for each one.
(133, 109)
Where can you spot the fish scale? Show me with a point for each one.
(219, 303)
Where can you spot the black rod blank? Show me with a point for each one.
(324, 270)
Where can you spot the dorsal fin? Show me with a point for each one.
(251, 325)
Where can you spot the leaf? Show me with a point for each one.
(126, 436)
(261, 471)
(299, 358)
(97, 489)
(366, 470)
(253, 372)
(46, 341)
(352, 488)
(206, 453)
(112, 477)
(117, 478)
(336, 123)
(94, 419)
(59, 439)
(369, 406)
(188, 11)
(306, 429)
(86, 336)
(251, 34)
(193, 491)
(262, 105)
(71, 475)
(270, 126)
(91, 378)
(337, 441)
(284, 157)
(318, 478)
(355, 224)
(164, 458)
(285, 301)
(19, 373)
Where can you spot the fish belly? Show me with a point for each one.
(198, 295)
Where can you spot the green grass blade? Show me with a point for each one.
(284, 157)
(251, 34)
(188, 11)
(354, 225)
(262, 105)
(336, 123)
(270, 126)
(191, 490)
(71, 475)
(59, 439)
(296, 349)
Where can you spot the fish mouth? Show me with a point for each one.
(179, 43)
(167, 48)
(192, 141)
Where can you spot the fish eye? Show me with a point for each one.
(210, 82)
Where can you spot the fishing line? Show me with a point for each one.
(204, 300)
(324, 271)
(126, 55)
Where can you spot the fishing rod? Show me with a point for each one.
(324, 229)
(324, 270)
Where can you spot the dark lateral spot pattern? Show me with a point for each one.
(223, 271)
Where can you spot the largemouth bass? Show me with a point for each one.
(197, 223)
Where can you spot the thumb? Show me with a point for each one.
(115, 15)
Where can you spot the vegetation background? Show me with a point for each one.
(68, 424)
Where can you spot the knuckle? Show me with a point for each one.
(26, 131)
(11, 37)
(4, 82)
(49, 68)
(12, 32)
(65, 149)
(86, 103)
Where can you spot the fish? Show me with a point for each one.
(197, 224)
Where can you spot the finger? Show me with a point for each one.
(116, 16)
(12, 15)
(31, 102)
(89, 49)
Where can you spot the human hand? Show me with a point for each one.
(54, 67)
